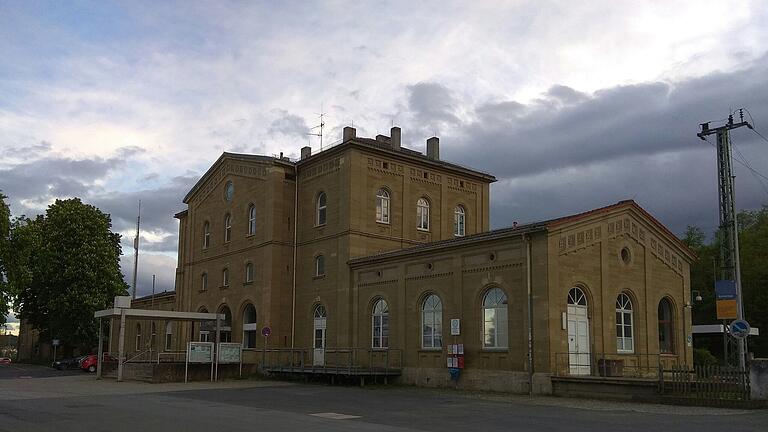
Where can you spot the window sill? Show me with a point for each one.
(248, 283)
(202, 290)
(250, 235)
(382, 223)
(668, 354)
(431, 350)
(426, 230)
(625, 352)
(494, 350)
(224, 287)
(320, 226)
(322, 276)
(380, 349)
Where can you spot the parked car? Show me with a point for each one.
(5, 361)
(67, 363)
(90, 362)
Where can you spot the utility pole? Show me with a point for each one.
(729, 246)
(136, 252)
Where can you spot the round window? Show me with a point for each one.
(626, 256)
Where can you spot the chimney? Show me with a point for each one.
(433, 148)
(382, 138)
(306, 152)
(394, 139)
(349, 133)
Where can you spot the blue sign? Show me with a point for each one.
(725, 289)
(740, 329)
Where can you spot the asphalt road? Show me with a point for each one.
(25, 371)
(77, 403)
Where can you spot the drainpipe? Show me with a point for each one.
(530, 312)
(295, 243)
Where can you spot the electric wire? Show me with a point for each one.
(742, 161)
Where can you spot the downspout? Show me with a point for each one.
(530, 312)
(295, 244)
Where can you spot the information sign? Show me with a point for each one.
(739, 329)
(230, 352)
(200, 352)
(455, 327)
(266, 331)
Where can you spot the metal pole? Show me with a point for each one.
(216, 346)
(136, 252)
(100, 352)
(530, 314)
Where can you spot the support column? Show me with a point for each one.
(100, 359)
(121, 346)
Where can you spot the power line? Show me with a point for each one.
(742, 162)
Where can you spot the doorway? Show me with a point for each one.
(578, 333)
(318, 357)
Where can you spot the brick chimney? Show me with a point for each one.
(433, 148)
(306, 152)
(394, 138)
(349, 133)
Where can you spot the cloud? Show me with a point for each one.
(289, 124)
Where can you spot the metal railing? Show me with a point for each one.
(613, 365)
(171, 356)
(334, 360)
(706, 382)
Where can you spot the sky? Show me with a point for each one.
(572, 105)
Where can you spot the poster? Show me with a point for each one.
(200, 352)
(229, 352)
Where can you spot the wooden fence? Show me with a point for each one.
(705, 383)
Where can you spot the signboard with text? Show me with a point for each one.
(725, 295)
(200, 352)
(230, 352)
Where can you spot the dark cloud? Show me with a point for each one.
(162, 266)
(567, 152)
(432, 104)
(288, 124)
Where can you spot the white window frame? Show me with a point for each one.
(380, 325)
(432, 322)
(204, 281)
(422, 214)
(382, 206)
(496, 324)
(138, 337)
(321, 217)
(249, 272)
(227, 228)
(168, 335)
(225, 277)
(251, 219)
(206, 235)
(459, 221)
(250, 328)
(624, 324)
(319, 265)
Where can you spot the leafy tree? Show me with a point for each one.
(73, 262)
(5, 229)
(753, 248)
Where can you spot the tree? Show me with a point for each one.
(73, 261)
(5, 229)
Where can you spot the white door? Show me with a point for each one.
(578, 333)
(318, 358)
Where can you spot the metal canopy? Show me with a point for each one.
(718, 329)
(167, 315)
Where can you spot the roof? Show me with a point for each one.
(156, 295)
(402, 152)
(518, 230)
(235, 156)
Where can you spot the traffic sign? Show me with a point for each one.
(266, 331)
(739, 329)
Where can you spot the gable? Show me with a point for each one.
(249, 166)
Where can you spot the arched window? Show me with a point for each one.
(382, 206)
(459, 219)
(666, 327)
(227, 228)
(319, 265)
(322, 203)
(380, 321)
(225, 277)
(625, 341)
(432, 322)
(251, 219)
(320, 312)
(206, 235)
(225, 327)
(168, 335)
(138, 337)
(249, 273)
(422, 214)
(576, 297)
(250, 329)
(495, 319)
(204, 281)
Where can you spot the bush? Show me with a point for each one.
(702, 357)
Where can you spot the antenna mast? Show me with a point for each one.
(320, 126)
(136, 252)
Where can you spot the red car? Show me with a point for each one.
(90, 362)
(5, 361)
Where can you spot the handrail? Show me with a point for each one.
(169, 354)
(141, 353)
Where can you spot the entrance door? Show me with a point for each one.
(318, 358)
(578, 333)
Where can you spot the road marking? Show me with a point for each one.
(335, 416)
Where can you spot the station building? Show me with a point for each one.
(371, 246)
